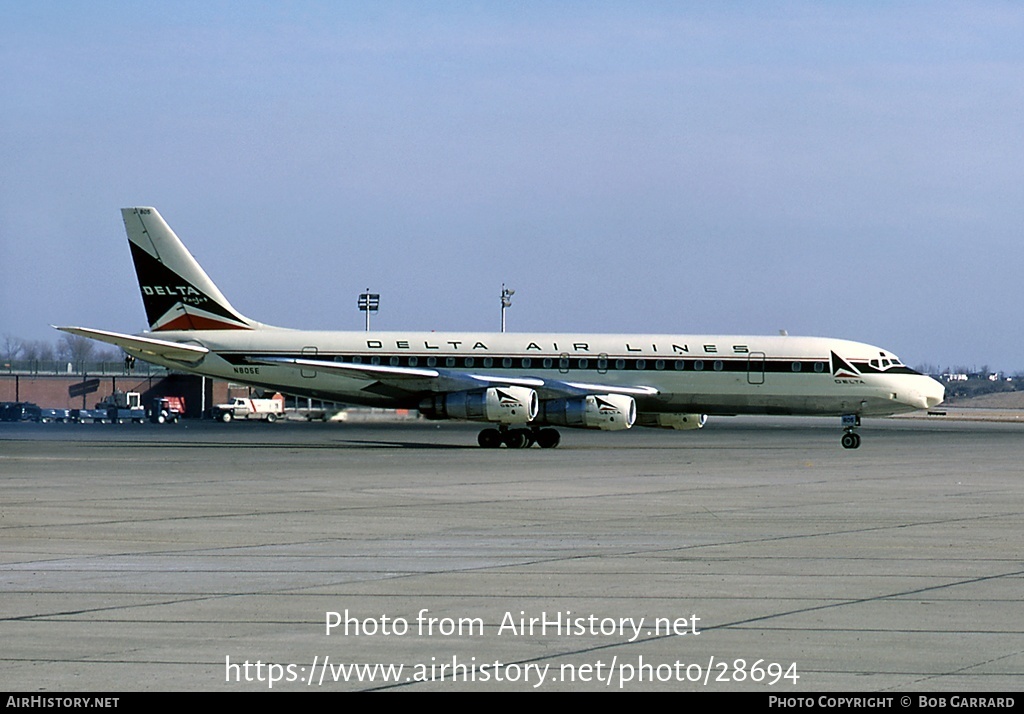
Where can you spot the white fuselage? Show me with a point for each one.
(711, 374)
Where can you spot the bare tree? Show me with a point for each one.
(11, 347)
(108, 354)
(928, 368)
(39, 350)
(75, 348)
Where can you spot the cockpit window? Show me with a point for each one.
(884, 361)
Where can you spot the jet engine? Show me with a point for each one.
(680, 422)
(502, 405)
(609, 412)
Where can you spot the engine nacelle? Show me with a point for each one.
(681, 422)
(501, 405)
(610, 412)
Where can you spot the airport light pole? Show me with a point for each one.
(369, 302)
(506, 302)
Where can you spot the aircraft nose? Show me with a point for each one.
(925, 393)
(934, 394)
(929, 394)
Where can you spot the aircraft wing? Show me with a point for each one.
(356, 371)
(142, 345)
(588, 388)
(434, 380)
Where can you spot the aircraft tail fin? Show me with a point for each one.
(176, 291)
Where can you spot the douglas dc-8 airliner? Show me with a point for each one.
(521, 384)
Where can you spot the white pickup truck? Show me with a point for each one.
(269, 410)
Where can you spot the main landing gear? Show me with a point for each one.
(850, 438)
(492, 438)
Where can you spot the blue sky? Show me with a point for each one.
(841, 169)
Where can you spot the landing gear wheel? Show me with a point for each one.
(517, 438)
(548, 438)
(489, 439)
(850, 438)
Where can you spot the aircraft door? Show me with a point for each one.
(308, 352)
(755, 368)
(563, 363)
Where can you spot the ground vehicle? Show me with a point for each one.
(269, 410)
(20, 411)
(81, 416)
(123, 406)
(167, 409)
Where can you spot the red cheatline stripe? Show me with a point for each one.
(195, 322)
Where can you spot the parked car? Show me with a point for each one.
(20, 411)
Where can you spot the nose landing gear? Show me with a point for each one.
(850, 438)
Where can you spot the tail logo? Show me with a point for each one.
(182, 291)
(172, 303)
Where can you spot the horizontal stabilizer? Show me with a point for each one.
(142, 346)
